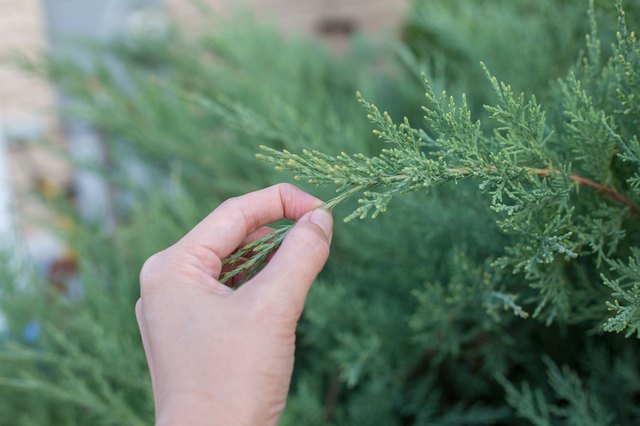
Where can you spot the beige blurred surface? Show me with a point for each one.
(331, 20)
(21, 30)
(27, 110)
(307, 17)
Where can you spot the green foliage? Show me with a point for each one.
(577, 407)
(448, 38)
(487, 270)
(626, 290)
(86, 365)
(524, 165)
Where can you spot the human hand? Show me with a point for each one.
(219, 356)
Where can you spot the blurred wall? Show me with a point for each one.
(26, 108)
(330, 19)
(21, 30)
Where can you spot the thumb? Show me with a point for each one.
(302, 255)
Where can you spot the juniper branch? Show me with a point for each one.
(359, 174)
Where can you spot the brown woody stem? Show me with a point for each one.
(582, 181)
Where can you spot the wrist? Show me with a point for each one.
(202, 410)
(188, 409)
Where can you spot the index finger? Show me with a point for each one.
(224, 229)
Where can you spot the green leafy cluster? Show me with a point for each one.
(576, 405)
(485, 301)
(626, 294)
(525, 164)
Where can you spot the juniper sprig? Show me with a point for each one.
(249, 259)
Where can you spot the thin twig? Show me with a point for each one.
(331, 399)
(580, 180)
(607, 190)
(329, 205)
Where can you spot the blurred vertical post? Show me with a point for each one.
(7, 224)
(7, 228)
(70, 22)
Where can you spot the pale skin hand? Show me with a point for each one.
(224, 357)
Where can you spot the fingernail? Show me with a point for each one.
(324, 220)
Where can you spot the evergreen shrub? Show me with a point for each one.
(502, 286)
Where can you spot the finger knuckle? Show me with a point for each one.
(312, 239)
(230, 203)
(152, 269)
(286, 187)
